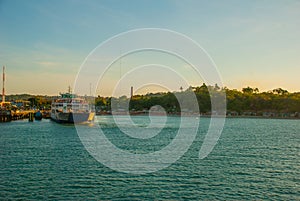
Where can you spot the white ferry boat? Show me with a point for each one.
(71, 109)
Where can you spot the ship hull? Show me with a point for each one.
(70, 117)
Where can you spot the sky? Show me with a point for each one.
(43, 43)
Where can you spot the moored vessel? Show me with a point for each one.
(70, 108)
(38, 115)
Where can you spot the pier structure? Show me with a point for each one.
(7, 113)
(11, 115)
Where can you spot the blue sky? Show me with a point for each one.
(253, 43)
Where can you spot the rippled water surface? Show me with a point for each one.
(254, 159)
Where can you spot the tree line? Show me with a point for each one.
(248, 100)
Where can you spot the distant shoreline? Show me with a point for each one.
(208, 116)
(261, 117)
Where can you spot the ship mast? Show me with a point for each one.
(3, 84)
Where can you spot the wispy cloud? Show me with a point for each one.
(48, 63)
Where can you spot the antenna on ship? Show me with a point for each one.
(3, 89)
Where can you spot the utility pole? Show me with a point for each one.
(91, 89)
(131, 92)
(69, 89)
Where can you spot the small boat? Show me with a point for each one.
(70, 108)
(46, 114)
(38, 115)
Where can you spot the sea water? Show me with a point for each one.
(254, 159)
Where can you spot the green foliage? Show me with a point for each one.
(277, 100)
(247, 100)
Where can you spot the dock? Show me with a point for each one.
(5, 116)
(10, 115)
